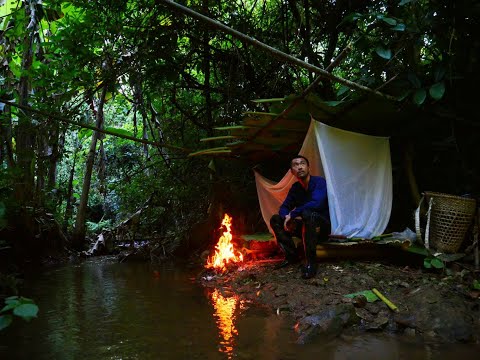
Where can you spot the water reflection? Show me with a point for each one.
(225, 314)
(103, 310)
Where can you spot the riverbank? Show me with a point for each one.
(433, 305)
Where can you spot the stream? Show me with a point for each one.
(102, 309)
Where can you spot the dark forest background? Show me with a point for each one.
(101, 102)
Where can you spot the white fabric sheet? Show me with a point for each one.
(358, 172)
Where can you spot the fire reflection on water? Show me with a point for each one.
(225, 308)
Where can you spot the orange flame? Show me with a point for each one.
(224, 250)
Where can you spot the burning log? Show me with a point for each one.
(225, 252)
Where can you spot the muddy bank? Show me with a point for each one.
(432, 306)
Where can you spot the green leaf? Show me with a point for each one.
(5, 321)
(437, 263)
(268, 100)
(427, 264)
(420, 250)
(399, 27)
(476, 284)
(15, 68)
(437, 90)
(403, 95)
(26, 311)
(52, 14)
(350, 18)
(332, 103)
(119, 131)
(390, 21)
(224, 137)
(414, 80)
(8, 307)
(12, 300)
(384, 53)
(211, 165)
(24, 300)
(369, 294)
(76, 196)
(3, 209)
(419, 96)
(343, 89)
(83, 133)
(403, 2)
(438, 73)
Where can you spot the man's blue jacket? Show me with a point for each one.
(314, 198)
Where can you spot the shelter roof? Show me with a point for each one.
(261, 135)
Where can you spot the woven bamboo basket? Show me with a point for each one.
(451, 217)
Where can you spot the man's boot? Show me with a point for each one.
(309, 271)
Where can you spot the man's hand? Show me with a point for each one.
(288, 223)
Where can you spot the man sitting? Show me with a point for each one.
(304, 213)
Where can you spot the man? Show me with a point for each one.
(304, 213)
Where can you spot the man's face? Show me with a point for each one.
(299, 168)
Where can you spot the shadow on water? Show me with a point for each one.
(101, 309)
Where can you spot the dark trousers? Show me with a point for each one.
(312, 229)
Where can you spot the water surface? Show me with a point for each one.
(101, 309)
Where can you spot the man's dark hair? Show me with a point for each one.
(299, 157)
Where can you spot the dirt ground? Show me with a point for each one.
(434, 305)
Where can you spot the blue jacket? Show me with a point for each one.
(314, 198)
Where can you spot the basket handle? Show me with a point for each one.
(426, 243)
(417, 221)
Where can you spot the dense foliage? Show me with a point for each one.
(155, 82)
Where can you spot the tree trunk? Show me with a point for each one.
(79, 231)
(206, 71)
(24, 222)
(69, 205)
(25, 138)
(156, 124)
(408, 151)
(57, 141)
(6, 137)
(141, 106)
(42, 155)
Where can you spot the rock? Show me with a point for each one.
(410, 332)
(374, 308)
(359, 301)
(448, 320)
(318, 282)
(281, 291)
(405, 320)
(364, 315)
(271, 287)
(328, 323)
(378, 323)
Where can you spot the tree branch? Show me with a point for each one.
(87, 126)
(277, 53)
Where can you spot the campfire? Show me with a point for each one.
(225, 252)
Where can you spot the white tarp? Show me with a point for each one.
(358, 172)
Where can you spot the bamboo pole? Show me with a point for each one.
(305, 92)
(275, 52)
(385, 300)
